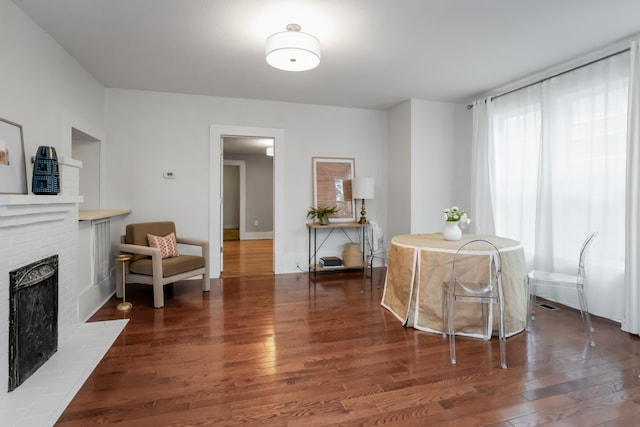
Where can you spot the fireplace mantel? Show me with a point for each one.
(21, 209)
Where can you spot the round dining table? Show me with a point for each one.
(419, 269)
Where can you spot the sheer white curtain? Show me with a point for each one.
(481, 169)
(631, 317)
(516, 141)
(560, 174)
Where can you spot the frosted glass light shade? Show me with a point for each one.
(363, 188)
(293, 50)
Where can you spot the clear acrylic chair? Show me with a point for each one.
(476, 277)
(537, 278)
(375, 248)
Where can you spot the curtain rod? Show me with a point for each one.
(470, 106)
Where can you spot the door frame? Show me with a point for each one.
(217, 132)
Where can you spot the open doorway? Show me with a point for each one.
(217, 133)
(247, 206)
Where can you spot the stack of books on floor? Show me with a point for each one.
(330, 261)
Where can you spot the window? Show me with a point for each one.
(559, 150)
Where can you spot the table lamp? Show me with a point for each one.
(363, 188)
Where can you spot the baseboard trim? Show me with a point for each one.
(257, 235)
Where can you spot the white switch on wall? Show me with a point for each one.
(168, 175)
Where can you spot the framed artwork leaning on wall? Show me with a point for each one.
(332, 181)
(13, 170)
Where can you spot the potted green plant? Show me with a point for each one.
(322, 214)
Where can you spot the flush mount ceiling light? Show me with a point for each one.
(293, 50)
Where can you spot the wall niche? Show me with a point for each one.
(86, 148)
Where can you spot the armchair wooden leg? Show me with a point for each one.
(158, 295)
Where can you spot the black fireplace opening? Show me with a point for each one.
(33, 318)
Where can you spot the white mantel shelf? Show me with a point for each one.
(20, 209)
(35, 199)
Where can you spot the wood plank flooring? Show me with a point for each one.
(281, 350)
(247, 258)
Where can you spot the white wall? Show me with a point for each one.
(439, 162)
(428, 157)
(150, 132)
(462, 135)
(47, 92)
(43, 88)
(399, 171)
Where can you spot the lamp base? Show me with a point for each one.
(363, 213)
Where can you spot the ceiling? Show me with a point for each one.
(375, 53)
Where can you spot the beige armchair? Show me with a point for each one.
(148, 267)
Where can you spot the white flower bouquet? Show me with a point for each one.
(454, 214)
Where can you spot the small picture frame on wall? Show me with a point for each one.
(332, 181)
(13, 170)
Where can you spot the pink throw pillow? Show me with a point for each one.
(168, 245)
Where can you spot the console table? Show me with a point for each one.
(314, 247)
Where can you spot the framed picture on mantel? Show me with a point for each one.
(332, 179)
(13, 170)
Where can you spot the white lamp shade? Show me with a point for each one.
(363, 187)
(293, 50)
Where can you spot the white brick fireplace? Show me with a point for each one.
(33, 227)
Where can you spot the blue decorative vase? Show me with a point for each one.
(46, 173)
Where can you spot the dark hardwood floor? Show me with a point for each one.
(276, 350)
